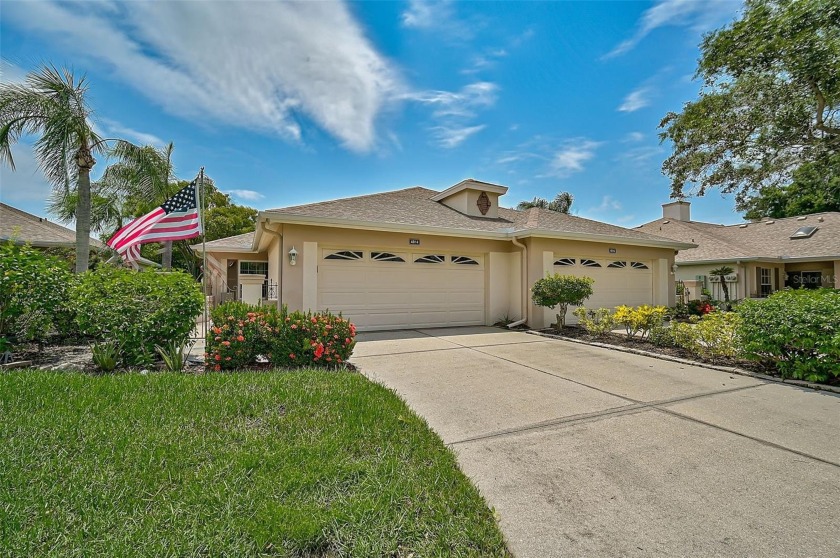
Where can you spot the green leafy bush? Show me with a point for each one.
(243, 332)
(662, 336)
(714, 336)
(560, 291)
(106, 355)
(798, 331)
(137, 310)
(596, 322)
(33, 294)
(640, 320)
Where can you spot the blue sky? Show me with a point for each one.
(290, 103)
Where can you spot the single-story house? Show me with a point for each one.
(421, 258)
(25, 228)
(765, 256)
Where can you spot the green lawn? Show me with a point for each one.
(291, 464)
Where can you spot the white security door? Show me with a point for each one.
(617, 281)
(382, 289)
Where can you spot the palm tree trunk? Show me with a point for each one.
(167, 255)
(84, 162)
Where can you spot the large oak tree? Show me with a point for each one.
(769, 101)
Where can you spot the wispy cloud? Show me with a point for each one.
(633, 137)
(439, 16)
(453, 137)
(696, 14)
(636, 100)
(571, 157)
(9, 73)
(112, 128)
(25, 185)
(247, 195)
(263, 66)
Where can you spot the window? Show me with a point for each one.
(345, 255)
(589, 263)
(618, 264)
(804, 232)
(638, 265)
(253, 268)
(434, 258)
(565, 261)
(463, 260)
(385, 257)
(765, 283)
(805, 279)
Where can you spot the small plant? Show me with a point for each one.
(714, 336)
(174, 355)
(662, 335)
(560, 291)
(640, 320)
(596, 322)
(722, 272)
(106, 355)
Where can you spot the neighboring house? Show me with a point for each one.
(421, 258)
(25, 228)
(766, 255)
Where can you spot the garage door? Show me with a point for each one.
(617, 281)
(382, 289)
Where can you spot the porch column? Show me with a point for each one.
(310, 276)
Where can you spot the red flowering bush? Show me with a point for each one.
(307, 339)
(241, 333)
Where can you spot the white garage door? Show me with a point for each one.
(617, 281)
(381, 289)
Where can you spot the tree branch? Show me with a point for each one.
(821, 103)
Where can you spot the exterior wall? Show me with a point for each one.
(777, 277)
(662, 258)
(274, 255)
(504, 280)
(828, 270)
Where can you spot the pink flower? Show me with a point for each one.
(240, 338)
(218, 357)
(294, 326)
(217, 368)
(319, 351)
(226, 343)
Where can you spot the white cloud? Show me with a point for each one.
(256, 65)
(608, 203)
(112, 128)
(9, 73)
(571, 157)
(26, 185)
(635, 100)
(481, 94)
(633, 137)
(699, 15)
(248, 195)
(424, 14)
(453, 137)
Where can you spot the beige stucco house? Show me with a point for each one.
(765, 256)
(421, 258)
(25, 228)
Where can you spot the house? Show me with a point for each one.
(421, 258)
(26, 228)
(765, 256)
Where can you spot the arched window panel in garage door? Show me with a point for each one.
(639, 265)
(386, 257)
(432, 259)
(589, 263)
(565, 262)
(463, 260)
(618, 264)
(345, 255)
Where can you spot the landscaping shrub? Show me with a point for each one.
(242, 332)
(796, 330)
(560, 291)
(639, 320)
(714, 336)
(33, 294)
(699, 307)
(136, 310)
(596, 322)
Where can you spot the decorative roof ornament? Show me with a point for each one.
(483, 203)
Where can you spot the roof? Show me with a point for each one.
(768, 239)
(238, 243)
(415, 209)
(27, 228)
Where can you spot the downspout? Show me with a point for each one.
(524, 286)
(279, 247)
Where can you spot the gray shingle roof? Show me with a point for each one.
(763, 239)
(37, 231)
(238, 243)
(414, 207)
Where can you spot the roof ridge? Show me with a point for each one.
(316, 204)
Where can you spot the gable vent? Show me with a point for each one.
(804, 232)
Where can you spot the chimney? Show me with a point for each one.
(678, 210)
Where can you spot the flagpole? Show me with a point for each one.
(203, 245)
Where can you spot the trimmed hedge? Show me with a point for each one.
(137, 310)
(798, 331)
(241, 333)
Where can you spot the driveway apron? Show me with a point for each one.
(584, 451)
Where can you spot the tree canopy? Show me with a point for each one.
(562, 203)
(769, 101)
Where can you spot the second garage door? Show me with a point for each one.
(382, 289)
(617, 281)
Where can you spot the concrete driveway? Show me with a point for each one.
(590, 452)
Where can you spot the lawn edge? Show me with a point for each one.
(729, 369)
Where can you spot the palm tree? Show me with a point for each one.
(52, 104)
(722, 272)
(562, 203)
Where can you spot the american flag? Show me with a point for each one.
(176, 219)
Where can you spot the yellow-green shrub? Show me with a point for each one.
(713, 336)
(596, 322)
(639, 320)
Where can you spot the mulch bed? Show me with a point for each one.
(575, 332)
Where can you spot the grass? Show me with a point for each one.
(307, 463)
